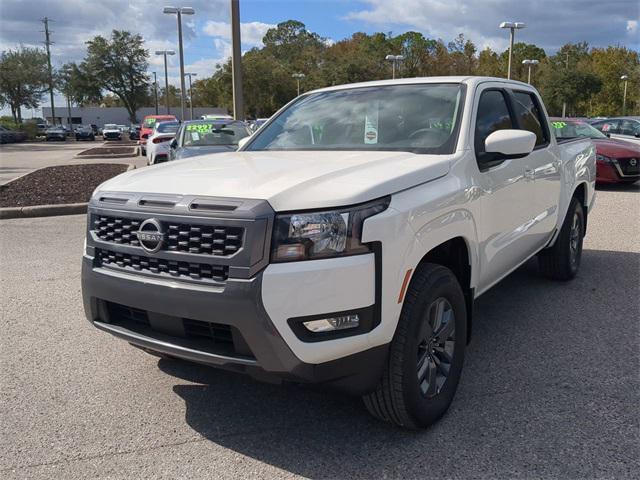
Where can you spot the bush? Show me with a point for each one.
(30, 127)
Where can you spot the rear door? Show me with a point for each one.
(508, 198)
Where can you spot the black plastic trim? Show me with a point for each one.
(366, 316)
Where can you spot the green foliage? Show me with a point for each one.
(119, 65)
(30, 126)
(77, 85)
(23, 79)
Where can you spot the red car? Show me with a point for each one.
(617, 161)
(147, 128)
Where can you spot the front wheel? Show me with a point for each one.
(562, 261)
(426, 353)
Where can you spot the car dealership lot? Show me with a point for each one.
(550, 386)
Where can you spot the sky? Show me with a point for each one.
(550, 24)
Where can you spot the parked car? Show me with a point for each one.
(257, 123)
(346, 241)
(95, 129)
(147, 128)
(56, 133)
(11, 136)
(85, 132)
(617, 161)
(200, 137)
(134, 132)
(159, 140)
(111, 132)
(624, 128)
(42, 129)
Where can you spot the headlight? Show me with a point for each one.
(604, 159)
(322, 234)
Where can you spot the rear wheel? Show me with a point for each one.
(426, 354)
(562, 261)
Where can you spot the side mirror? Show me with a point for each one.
(608, 135)
(173, 144)
(510, 143)
(242, 142)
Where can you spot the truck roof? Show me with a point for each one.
(469, 80)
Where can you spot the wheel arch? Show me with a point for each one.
(455, 254)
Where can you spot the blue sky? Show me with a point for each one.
(550, 23)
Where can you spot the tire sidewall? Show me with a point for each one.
(426, 411)
(575, 208)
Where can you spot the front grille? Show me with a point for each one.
(195, 334)
(181, 237)
(627, 168)
(170, 268)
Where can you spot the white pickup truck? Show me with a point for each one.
(346, 241)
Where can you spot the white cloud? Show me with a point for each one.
(251, 33)
(550, 23)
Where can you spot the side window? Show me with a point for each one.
(530, 117)
(629, 127)
(493, 114)
(609, 126)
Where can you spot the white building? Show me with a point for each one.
(118, 115)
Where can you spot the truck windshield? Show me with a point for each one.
(420, 118)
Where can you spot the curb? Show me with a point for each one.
(134, 154)
(43, 210)
(33, 211)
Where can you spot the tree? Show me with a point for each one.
(23, 79)
(75, 84)
(118, 65)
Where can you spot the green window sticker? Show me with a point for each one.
(559, 124)
(200, 127)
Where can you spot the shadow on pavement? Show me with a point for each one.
(539, 369)
(619, 187)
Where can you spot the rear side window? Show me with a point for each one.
(530, 117)
(493, 115)
(608, 126)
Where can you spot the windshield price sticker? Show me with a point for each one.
(202, 127)
(559, 124)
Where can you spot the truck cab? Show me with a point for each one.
(345, 242)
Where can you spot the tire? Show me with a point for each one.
(404, 397)
(562, 260)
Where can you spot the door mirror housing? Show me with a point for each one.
(510, 143)
(173, 144)
(242, 142)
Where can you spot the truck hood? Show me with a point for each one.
(289, 180)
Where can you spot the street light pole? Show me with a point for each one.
(564, 103)
(236, 62)
(624, 78)
(191, 93)
(155, 90)
(393, 59)
(164, 53)
(512, 26)
(298, 77)
(179, 11)
(530, 63)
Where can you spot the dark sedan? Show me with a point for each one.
(85, 132)
(201, 137)
(617, 161)
(56, 133)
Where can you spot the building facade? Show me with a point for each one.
(101, 115)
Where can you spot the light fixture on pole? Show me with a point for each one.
(625, 79)
(530, 63)
(155, 90)
(164, 53)
(179, 11)
(394, 59)
(298, 77)
(512, 26)
(191, 93)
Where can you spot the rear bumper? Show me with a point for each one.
(259, 348)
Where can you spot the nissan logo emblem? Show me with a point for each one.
(150, 235)
(633, 162)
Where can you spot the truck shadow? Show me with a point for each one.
(619, 187)
(530, 363)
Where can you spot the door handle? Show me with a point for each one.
(530, 173)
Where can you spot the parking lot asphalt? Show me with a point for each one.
(550, 389)
(18, 159)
